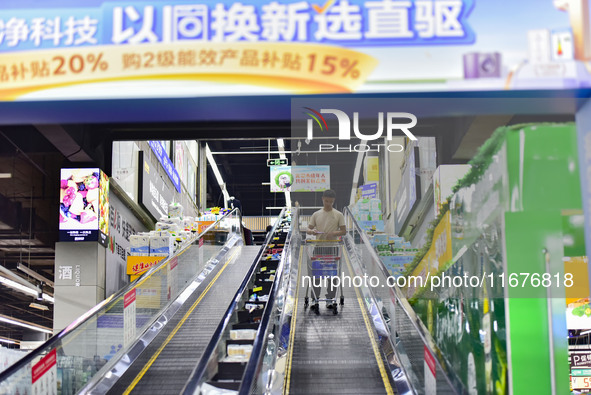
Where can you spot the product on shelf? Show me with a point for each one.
(139, 245)
(243, 334)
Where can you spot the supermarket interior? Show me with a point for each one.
(354, 197)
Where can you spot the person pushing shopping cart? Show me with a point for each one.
(328, 225)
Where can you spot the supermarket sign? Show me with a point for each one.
(342, 22)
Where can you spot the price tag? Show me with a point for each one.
(257, 289)
(264, 269)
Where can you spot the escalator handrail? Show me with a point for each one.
(197, 374)
(257, 347)
(426, 338)
(51, 342)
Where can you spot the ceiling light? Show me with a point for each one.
(39, 306)
(25, 324)
(217, 174)
(8, 341)
(33, 274)
(5, 175)
(28, 290)
(18, 287)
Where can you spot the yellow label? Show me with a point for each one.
(257, 289)
(293, 67)
(147, 167)
(140, 264)
(264, 269)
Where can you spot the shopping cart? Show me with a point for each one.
(323, 262)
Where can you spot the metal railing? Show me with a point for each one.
(409, 338)
(95, 342)
(205, 369)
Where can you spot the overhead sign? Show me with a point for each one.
(154, 195)
(281, 178)
(84, 205)
(310, 178)
(277, 162)
(165, 161)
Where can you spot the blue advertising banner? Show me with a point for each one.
(343, 22)
(69, 49)
(163, 158)
(369, 191)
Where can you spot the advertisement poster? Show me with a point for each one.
(369, 191)
(44, 375)
(127, 49)
(281, 178)
(81, 205)
(172, 278)
(310, 178)
(103, 208)
(129, 323)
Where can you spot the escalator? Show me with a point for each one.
(170, 358)
(334, 354)
(374, 344)
(175, 309)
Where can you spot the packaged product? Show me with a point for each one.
(161, 245)
(139, 245)
(242, 334)
(175, 210)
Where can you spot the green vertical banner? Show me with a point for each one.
(508, 334)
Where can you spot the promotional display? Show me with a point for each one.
(113, 49)
(502, 225)
(281, 178)
(129, 317)
(369, 191)
(84, 205)
(310, 178)
(44, 375)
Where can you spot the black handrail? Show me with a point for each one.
(197, 374)
(431, 346)
(21, 363)
(263, 330)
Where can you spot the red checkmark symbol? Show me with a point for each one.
(322, 9)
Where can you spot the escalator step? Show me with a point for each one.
(230, 370)
(227, 385)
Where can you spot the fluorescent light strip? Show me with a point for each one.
(25, 289)
(18, 287)
(281, 145)
(217, 174)
(5, 175)
(9, 320)
(8, 341)
(34, 274)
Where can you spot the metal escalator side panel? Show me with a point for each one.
(208, 362)
(106, 378)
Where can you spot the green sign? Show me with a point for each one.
(277, 162)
